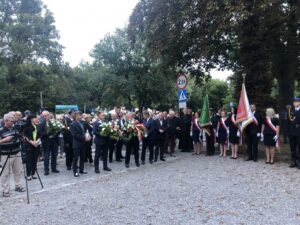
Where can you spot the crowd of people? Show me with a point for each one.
(30, 137)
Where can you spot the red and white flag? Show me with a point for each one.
(244, 115)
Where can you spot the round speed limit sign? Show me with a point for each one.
(182, 81)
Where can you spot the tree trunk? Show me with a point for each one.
(286, 89)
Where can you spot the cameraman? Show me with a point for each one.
(10, 147)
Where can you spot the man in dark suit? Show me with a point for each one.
(149, 139)
(253, 135)
(294, 133)
(101, 143)
(173, 127)
(68, 138)
(49, 144)
(132, 145)
(161, 126)
(120, 143)
(79, 139)
(113, 143)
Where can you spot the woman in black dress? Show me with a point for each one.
(222, 133)
(196, 134)
(32, 139)
(270, 131)
(234, 133)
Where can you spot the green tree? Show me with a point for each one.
(131, 74)
(29, 53)
(239, 35)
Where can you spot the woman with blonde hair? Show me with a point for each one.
(270, 131)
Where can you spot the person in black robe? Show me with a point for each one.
(186, 141)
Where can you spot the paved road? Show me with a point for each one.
(184, 190)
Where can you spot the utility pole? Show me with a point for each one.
(41, 98)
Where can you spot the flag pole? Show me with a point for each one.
(244, 77)
(242, 133)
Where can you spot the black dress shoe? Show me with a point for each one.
(155, 160)
(254, 160)
(151, 161)
(76, 174)
(46, 173)
(55, 171)
(69, 168)
(119, 160)
(248, 159)
(162, 159)
(143, 162)
(83, 172)
(107, 169)
(292, 165)
(97, 171)
(137, 164)
(127, 165)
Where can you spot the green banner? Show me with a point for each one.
(204, 118)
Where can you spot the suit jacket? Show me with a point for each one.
(99, 140)
(78, 134)
(172, 125)
(294, 126)
(42, 127)
(151, 132)
(252, 128)
(68, 138)
(163, 127)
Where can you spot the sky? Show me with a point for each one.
(83, 23)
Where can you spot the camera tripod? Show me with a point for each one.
(23, 157)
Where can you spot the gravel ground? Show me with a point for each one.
(183, 190)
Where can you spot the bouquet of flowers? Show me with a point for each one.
(110, 130)
(131, 130)
(54, 127)
(104, 129)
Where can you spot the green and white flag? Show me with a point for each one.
(204, 118)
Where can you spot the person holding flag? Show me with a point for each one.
(270, 134)
(205, 123)
(248, 119)
(253, 134)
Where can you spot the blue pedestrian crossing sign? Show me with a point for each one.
(182, 95)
